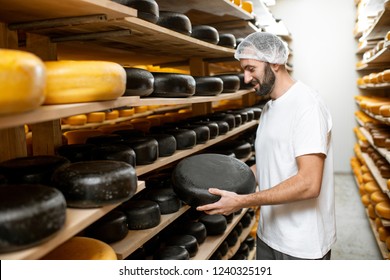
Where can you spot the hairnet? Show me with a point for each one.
(263, 46)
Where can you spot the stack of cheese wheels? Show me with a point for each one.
(382, 209)
(22, 81)
(83, 81)
(82, 248)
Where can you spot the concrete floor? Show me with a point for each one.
(355, 239)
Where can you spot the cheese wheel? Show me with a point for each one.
(186, 241)
(378, 196)
(366, 200)
(222, 116)
(196, 229)
(205, 33)
(146, 149)
(75, 120)
(175, 21)
(112, 115)
(166, 144)
(139, 82)
(141, 214)
(208, 86)
(231, 82)
(96, 117)
(227, 40)
(185, 138)
(173, 85)
(29, 215)
(371, 187)
(166, 199)
(110, 228)
(202, 132)
(194, 175)
(126, 112)
(146, 9)
(31, 169)
(223, 248)
(383, 233)
(82, 248)
(371, 212)
(215, 224)
(83, 81)
(22, 81)
(80, 136)
(103, 139)
(76, 152)
(114, 151)
(92, 184)
(382, 209)
(213, 127)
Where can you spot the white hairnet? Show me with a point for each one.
(263, 46)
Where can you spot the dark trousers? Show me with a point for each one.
(264, 252)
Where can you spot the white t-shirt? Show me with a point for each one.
(295, 124)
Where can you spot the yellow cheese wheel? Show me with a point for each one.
(81, 135)
(382, 209)
(141, 109)
(75, 120)
(371, 187)
(112, 115)
(126, 112)
(83, 81)
(367, 178)
(247, 6)
(22, 81)
(371, 212)
(378, 223)
(82, 248)
(383, 233)
(384, 111)
(96, 117)
(366, 200)
(385, 76)
(378, 196)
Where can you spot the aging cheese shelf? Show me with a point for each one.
(76, 221)
(381, 25)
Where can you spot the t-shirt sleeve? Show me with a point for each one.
(312, 131)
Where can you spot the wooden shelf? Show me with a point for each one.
(76, 221)
(375, 173)
(375, 86)
(136, 238)
(380, 60)
(163, 161)
(17, 11)
(381, 25)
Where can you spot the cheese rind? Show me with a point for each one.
(22, 81)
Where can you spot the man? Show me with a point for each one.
(294, 159)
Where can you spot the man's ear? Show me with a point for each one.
(276, 67)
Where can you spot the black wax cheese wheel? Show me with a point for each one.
(166, 144)
(221, 116)
(238, 227)
(119, 152)
(29, 215)
(213, 127)
(172, 253)
(243, 249)
(202, 132)
(141, 214)
(223, 248)
(146, 149)
(229, 218)
(159, 180)
(194, 175)
(227, 40)
(186, 241)
(185, 138)
(95, 183)
(250, 241)
(243, 114)
(166, 199)
(208, 86)
(139, 82)
(231, 82)
(256, 112)
(175, 21)
(110, 228)
(232, 238)
(146, 9)
(215, 224)
(173, 85)
(76, 152)
(237, 119)
(216, 256)
(196, 229)
(205, 33)
(129, 133)
(246, 220)
(223, 127)
(251, 114)
(31, 169)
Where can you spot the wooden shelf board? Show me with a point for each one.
(375, 86)
(13, 11)
(381, 25)
(375, 172)
(76, 221)
(162, 161)
(136, 238)
(382, 57)
(52, 112)
(205, 11)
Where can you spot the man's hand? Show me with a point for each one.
(227, 204)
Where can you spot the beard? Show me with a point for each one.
(268, 83)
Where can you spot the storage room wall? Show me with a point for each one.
(324, 58)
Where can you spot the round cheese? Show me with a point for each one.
(82, 248)
(222, 116)
(83, 81)
(231, 82)
(112, 114)
(103, 139)
(141, 214)
(227, 40)
(110, 228)
(166, 144)
(175, 21)
(96, 117)
(208, 86)
(22, 81)
(215, 224)
(31, 169)
(202, 132)
(115, 151)
(378, 196)
(194, 175)
(139, 82)
(382, 209)
(166, 199)
(205, 33)
(75, 120)
(76, 152)
(185, 138)
(172, 253)
(29, 215)
(96, 183)
(196, 229)
(173, 85)
(232, 238)
(146, 9)
(186, 241)
(213, 127)
(383, 233)
(146, 149)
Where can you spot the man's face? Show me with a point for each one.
(259, 74)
